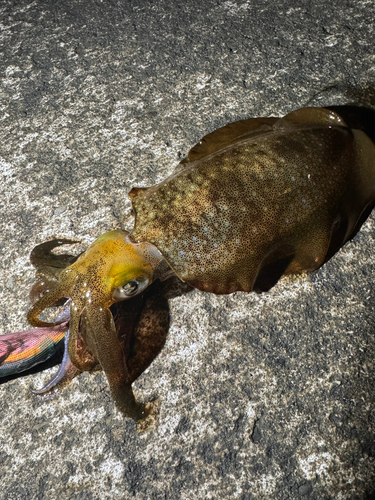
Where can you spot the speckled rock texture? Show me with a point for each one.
(268, 396)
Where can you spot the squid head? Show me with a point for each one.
(112, 269)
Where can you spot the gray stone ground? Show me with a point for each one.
(262, 396)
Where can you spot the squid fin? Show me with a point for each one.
(228, 135)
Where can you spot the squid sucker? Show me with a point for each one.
(252, 201)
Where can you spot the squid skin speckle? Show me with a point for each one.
(254, 200)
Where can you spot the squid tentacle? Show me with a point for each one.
(79, 355)
(48, 299)
(111, 357)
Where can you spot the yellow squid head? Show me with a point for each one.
(112, 269)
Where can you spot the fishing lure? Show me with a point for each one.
(254, 200)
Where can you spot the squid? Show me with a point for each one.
(253, 201)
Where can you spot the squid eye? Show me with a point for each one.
(130, 288)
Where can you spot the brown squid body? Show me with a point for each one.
(258, 192)
(256, 198)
